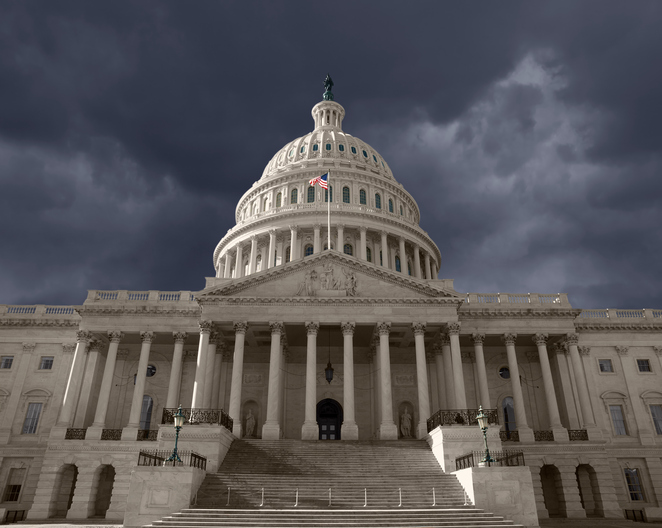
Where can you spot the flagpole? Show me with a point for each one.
(329, 206)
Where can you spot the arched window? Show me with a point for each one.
(265, 204)
(362, 197)
(258, 263)
(146, 413)
(311, 194)
(326, 194)
(255, 206)
(308, 250)
(353, 150)
(294, 195)
(279, 199)
(390, 205)
(509, 415)
(316, 148)
(368, 254)
(348, 249)
(409, 267)
(341, 147)
(401, 212)
(287, 255)
(378, 201)
(397, 264)
(345, 194)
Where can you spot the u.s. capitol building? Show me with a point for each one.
(340, 336)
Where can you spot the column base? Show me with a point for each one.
(236, 429)
(271, 431)
(310, 431)
(130, 433)
(94, 432)
(594, 434)
(560, 434)
(388, 431)
(422, 430)
(58, 432)
(526, 434)
(349, 431)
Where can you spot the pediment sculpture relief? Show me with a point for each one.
(329, 281)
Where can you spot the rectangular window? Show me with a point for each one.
(656, 413)
(617, 419)
(46, 363)
(14, 483)
(32, 418)
(605, 365)
(6, 361)
(634, 484)
(644, 365)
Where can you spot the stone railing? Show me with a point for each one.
(578, 435)
(460, 417)
(147, 435)
(518, 299)
(543, 436)
(111, 434)
(75, 434)
(151, 296)
(160, 459)
(37, 310)
(621, 315)
(199, 416)
(509, 436)
(499, 458)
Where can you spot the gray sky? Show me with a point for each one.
(528, 132)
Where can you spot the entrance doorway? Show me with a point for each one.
(329, 419)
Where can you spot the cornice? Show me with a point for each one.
(316, 301)
(126, 309)
(492, 313)
(618, 327)
(49, 323)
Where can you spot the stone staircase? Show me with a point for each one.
(290, 483)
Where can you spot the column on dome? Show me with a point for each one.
(175, 383)
(392, 252)
(340, 247)
(237, 377)
(93, 355)
(483, 389)
(523, 429)
(197, 401)
(439, 369)
(422, 380)
(280, 253)
(263, 257)
(403, 256)
(294, 250)
(210, 368)
(428, 271)
(228, 266)
(387, 429)
(271, 258)
(417, 261)
(75, 380)
(449, 381)
(350, 430)
(316, 239)
(309, 430)
(130, 432)
(363, 252)
(560, 433)
(239, 262)
(383, 247)
(253, 259)
(588, 421)
(458, 372)
(271, 430)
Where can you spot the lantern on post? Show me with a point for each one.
(179, 423)
(482, 423)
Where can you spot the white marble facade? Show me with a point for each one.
(585, 407)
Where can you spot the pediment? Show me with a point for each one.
(328, 275)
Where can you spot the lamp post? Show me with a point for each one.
(482, 423)
(179, 423)
(328, 371)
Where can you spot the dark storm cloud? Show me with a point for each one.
(529, 134)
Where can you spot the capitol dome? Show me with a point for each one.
(282, 217)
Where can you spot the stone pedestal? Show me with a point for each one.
(526, 435)
(271, 432)
(310, 431)
(130, 433)
(349, 432)
(208, 440)
(560, 434)
(388, 431)
(453, 441)
(93, 433)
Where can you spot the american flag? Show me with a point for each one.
(322, 180)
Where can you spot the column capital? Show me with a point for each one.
(445, 340)
(179, 337)
(293, 227)
(83, 336)
(540, 339)
(429, 356)
(272, 232)
(96, 345)
(253, 238)
(453, 328)
(240, 327)
(437, 348)
(347, 328)
(417, 246)
(68, 347)
(115, 336)
(206, 327)
(312, 328)
(214, 337)
(585, 350)
(29, 347)
(384, 328)
(317, 227)
(147, 337)
(418, 328)
(509, 339)
(363, 229)
(478, 338)
(622, 350)
(572, 339)
(277, 327)
(468, 356)
(560, 347)
(658, 350)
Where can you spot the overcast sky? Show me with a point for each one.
(529, 133)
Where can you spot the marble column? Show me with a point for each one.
(560, 433)
(449, 381)
(458, 372)
(582, 388)
(384, 248)
(403, 256)
(198, 399)
(525, 432)
(642, 419)
(316, 239)
(428, 271)
(223, 397)
(422, 380)
(130, 432)
(253, 258)
(209, 370)
(93, 355)
(239, 262)
(441, 384)
(387, 429)
(363, 253)
(271, 259)
(237, 377)
(172, 399)
(218, 382)
(658, 353)
(417, 261)
(392, 252)
(271, 429)
(294, 250)
(94, 432)
(350, 431)
(573, 386)
(263, 258)
(75, 380)
(484, 391)
(228, 266)
(340, 246)
(309, 430)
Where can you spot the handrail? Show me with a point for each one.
(199, 416)
(460, 417)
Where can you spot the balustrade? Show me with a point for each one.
(199, 416)
(461, 417)
(111, 434)
(75, 434)
(543, 436)
(147, 435)
(580, 435)
(499, 459)
(159, 458)
(509, 436)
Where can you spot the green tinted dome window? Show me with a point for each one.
(375, 158)
(365, 154)
(341, 147)
(328, 146)
(315, 148)
(308, 250)
(368, 254)
(348, 249)
(303, 149)
(345, 194)
(378, 201)
(353, 150)
(294, 196)
(311, 194)
(390, 205)
(362, 197)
